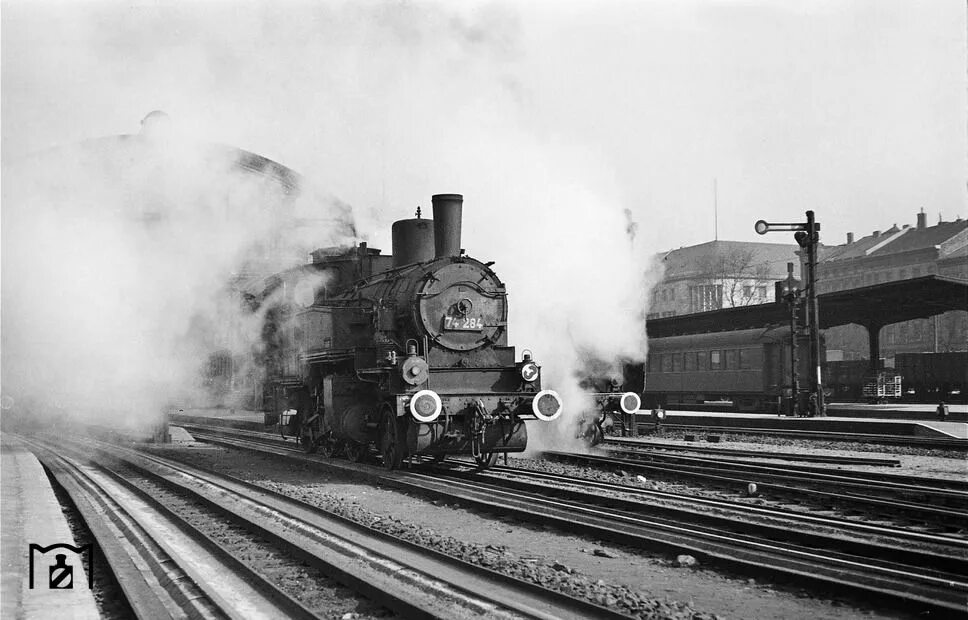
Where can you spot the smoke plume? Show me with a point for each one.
(113, 271)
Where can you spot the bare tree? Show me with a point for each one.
(741, 272)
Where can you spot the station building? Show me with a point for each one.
(726, 274)
(719, 274)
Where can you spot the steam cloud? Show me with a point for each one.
(119, 256)
(380, 104)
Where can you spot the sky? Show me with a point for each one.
(853, 109)
(586, 138)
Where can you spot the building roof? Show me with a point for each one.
(695, 260)
(896, 240)
(881, 304)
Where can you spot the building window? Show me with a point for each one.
(705, 297)
(761, 292)
(747, 291)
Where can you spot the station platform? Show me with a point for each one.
(234, 418)
(882, 422)
(896, 411)
(830, 424)
(31, 514)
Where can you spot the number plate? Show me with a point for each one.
(464, 323)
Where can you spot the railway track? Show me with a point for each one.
(925, 504)
(939, 491)
(166, 567)
(406, 578)
(922, 570)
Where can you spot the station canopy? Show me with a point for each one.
(880, 304)
(893, 302)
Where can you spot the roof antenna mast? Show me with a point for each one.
(716, 207)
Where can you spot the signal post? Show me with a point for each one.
(807, 235)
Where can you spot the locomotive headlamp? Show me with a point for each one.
(415, 370)
(630, 402)
(425, 406)
(546, 405)
(529, 372)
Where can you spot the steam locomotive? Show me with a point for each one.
(406, 353)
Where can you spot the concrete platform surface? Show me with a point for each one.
(884, 420)
(834, 424)
(30, 513)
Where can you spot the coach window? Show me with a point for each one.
(666, 363)
(715, 360)
(703, 358)
(753, 358)
(690, 361)
(677, 362)
(732, 359)
(745, 363)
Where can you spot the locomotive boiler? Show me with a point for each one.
(405, 353)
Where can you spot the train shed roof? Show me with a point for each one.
(883, 304)
(893, 302)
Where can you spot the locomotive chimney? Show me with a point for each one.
(447, 217)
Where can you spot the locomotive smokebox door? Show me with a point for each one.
(463, 307)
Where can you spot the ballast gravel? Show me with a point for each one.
(629, 580)
(548, 573)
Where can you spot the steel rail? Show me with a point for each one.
(145, 544)
(811, 492)
(920, 586)
(457, 586)
(956, 487)
(950, 556)
(777, 523)
(940, 489)
(892, 506)
(749, 554)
